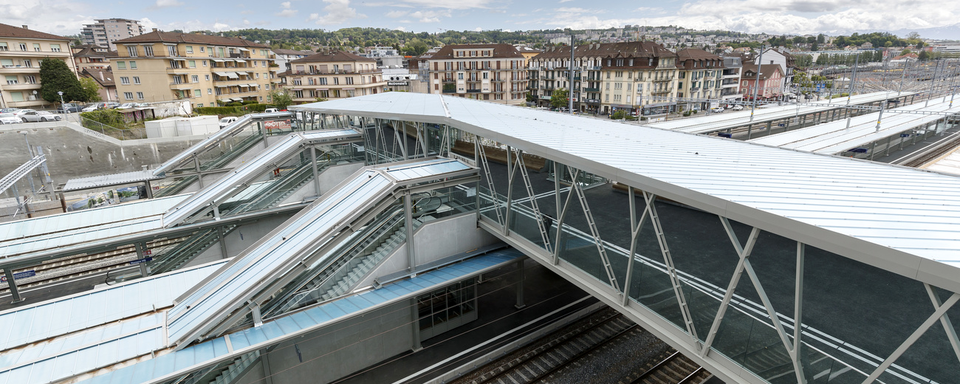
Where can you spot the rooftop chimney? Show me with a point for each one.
(25, 26)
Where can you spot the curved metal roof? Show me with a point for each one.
(903, 220)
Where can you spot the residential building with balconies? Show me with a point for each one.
(699, 79)
(639, 77)
(21, 50)
(92, 56)
(550, 70)
(207, 70)
(285, 56)
(781, 58)
(332, 75)
(104, 32)
(730, 85)
(491, 72)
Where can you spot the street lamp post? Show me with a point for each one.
(61, 103)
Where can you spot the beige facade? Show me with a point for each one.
(700, 78)
(638, 79)
(490, 72)
(207, 70)
(332, 75)
(21, 50)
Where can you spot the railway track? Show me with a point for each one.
(932, 152)
(72, 267)
(551, 354)
(673, 369)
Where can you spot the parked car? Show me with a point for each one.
(70, 108)
(9, 118)
(9, 110)
(224, 122)
(111, 105)
(270, 110)
(127, 105)
(21, 112)
(716, 109)
(737, 107)
(91, 107)
(37, 116)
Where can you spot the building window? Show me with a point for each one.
(139, 95)
(128, 95)
(336, 81)
(172, 50)
(136, 79)
(190, 49)
(16, 96)
(197, 93)
(132, 51)
(349, 81)
(23, 47)
(36, 47)
(133, 64)
(206, 77)
(148, 50)
(3, 46)
(29, 79)
(209, 91)
(121, 65)
(204, 62)
(12, 80)
(192, 63)
(195, 78)
(201, 49)
(125, 80)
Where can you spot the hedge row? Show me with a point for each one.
(233, 109)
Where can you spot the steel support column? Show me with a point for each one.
(635, 228)
(316, 173)
(408, 222)
(521, 276)
(743, 252)
(945, 320)
(415, 324)
(140, 256)
(510, 173)
(604, 259)
(12, 285)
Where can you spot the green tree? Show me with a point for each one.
(924, 56)
(90, 203)
(90, 88)
(55, 77)
(281, 99)
(110, 194)
(559, 98)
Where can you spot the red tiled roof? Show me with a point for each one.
(11, 31)
(177, 37)
(335, 56)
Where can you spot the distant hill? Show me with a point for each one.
(950, 32)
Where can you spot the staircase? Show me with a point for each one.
(237, 369)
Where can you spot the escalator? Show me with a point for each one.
(358, 218)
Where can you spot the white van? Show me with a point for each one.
(224, 122)
(270, 110)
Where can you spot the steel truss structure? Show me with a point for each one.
(753, 330)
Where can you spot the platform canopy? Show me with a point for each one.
(902, 220)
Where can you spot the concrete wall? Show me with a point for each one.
(436, 240)
(181, 126)
(72, 153)
(339, 350)
(240, 239)
(328, 179)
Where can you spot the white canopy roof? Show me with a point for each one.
(900, 219)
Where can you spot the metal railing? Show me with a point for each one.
(122, 133)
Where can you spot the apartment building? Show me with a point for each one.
(699, 79)
(550, 70)
(104, 78)
(92, 56)
(21, 51)
(768, 84)
(781, 58)
(105, 32)
(285, 56)
(730, 85)
(207, 70)
(332, 75)
(639, 77)
(492, 72)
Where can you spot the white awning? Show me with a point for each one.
(218, 60)
(252, 85)
(244, 49)
(221, 86)
(233, 75)
(223, 74)
(240, 61)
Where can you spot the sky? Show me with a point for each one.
(832, 17)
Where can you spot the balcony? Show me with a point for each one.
(19, 69)
(178, 71)
(663, 80)
(590, 89)
(337, 72)
(20, 86)
(175, 85)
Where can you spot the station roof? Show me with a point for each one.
(55, 339)
(49, 232)
(109, 180)
(835, 137)
(903, 220)
(733, 119)
(946, 164)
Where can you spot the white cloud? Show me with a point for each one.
(167, 3)
(287, 13)
(401, 29)
(565, 1)
(396, 14)
(285, 5)
(337, 12)
(59, 17)
(449, 4)
(478, 29)
(427, 16)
